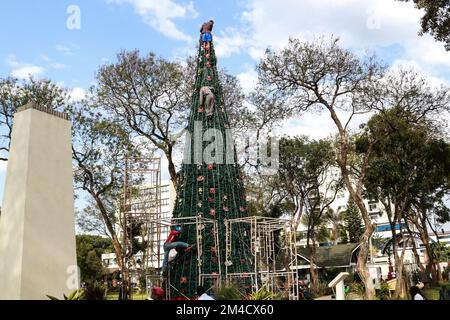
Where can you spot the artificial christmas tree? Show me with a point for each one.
(210, 186)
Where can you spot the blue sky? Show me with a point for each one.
(34, 34)
(36, 39)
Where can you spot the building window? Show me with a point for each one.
(373, 207)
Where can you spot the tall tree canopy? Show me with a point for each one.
(320, 75)
(436, 20)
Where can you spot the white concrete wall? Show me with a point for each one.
(37, 228)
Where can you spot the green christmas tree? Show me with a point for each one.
(210, 189)
(353, 222)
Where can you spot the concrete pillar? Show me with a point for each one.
(37, 228)
(338, 284)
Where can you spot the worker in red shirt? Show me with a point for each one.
(173, 243)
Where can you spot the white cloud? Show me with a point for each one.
(27, 71)
(67, 49)
(51, 63)
(248, 80)
(77, 94)
(159, 14)
(319, 125)
(56, 65)
(358, 23)
(229, 42)
(366, 24)
(45, 57)
(64, 49)
(12, 61)
(22, 70)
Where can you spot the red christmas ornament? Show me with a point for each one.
(212, 190)
(210, 167)
(207, 56)
(208, 64)
(208, 78)
(212, 212)
(210, 200)
(200, 109)
(183, 280)
(200, 178)
(213, 250)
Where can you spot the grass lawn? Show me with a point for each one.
(432, 293)
(136, 296)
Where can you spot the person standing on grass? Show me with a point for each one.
(416, 293)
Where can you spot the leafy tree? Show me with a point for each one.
(321, 76)
(89, 251)
(407, 153)
(151, 96)
(99, 146)
(353, 224)
(303, 179)
(436, 20)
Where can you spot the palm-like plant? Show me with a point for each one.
(263, 294)
(75, 295)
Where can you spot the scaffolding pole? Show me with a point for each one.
(264, 250)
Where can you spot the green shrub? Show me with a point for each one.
(263, 294)
(95, 291)
(357, 288)
(383, 293)
(322, 290)
(228, 292)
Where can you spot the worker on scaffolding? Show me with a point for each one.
(173, 243)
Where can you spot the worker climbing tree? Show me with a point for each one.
(210, 184)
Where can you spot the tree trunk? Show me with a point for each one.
(400, 290)
(414, 248)
(116, 245)
(398, 261)
(312, 268)
(430, 265)
(171, 167)
(364, 247)
(361, 265)
(356, 194)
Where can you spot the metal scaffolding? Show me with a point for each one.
(203, 227)
(274, 254)
(140, 210)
